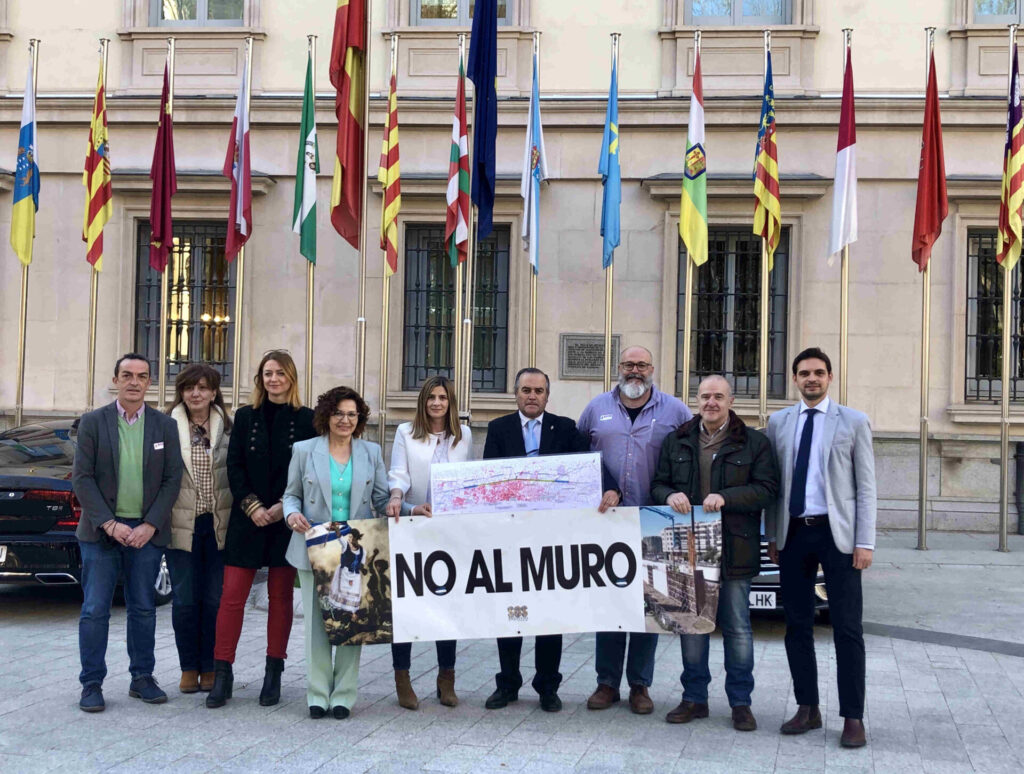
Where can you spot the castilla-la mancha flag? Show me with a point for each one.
(932, 204)
(844, 191)
(237, 167)
(347, 69)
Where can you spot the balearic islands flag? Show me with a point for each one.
(844, 191)
(237, 167)
(165, 184)
(767, 207)
(535, 170)
(390, 177)
(26, 178)
(307, 165)
(932, 204)
(611, 174)
(456, 229)
(348, 54)
(96, 179)
(693, 198)
(1008, 250)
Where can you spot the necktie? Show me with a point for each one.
(798, 492)
(532, 445)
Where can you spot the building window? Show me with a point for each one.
(455, 13)
(197, 13)
(985, 323)
(738, 12)
(430, 314)
(201, 300)
(727, 294)
(997, 11)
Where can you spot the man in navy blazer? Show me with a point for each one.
(529, 432)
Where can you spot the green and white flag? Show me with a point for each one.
(306, 168)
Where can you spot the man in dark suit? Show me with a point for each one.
(126, 476)
(529, 432)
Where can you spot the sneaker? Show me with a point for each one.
(144, 687)
(92, 698)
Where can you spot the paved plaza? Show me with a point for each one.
(932, 706)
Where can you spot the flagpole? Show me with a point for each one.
(165, 279)
(762, 388)
(382, 394)
(844, 282)
(532, 361)
(688, 303)
(310, 266)
(459, 270)
(361, 318)
(94, 275)
(609, 273)
(236, 359)
(465, 387)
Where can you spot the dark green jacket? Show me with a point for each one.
(744, 473)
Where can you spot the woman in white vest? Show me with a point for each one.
(434, 435)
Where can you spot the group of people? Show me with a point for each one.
(222, 497)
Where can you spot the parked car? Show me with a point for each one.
(765, 590)
(38, 511)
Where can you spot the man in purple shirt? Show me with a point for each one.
(627, 425)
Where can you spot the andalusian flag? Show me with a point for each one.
(1008, 250)
(307, 165)
(348, 54)
(456, 228)
(26, 178)
(390, 177)
(767, 208)
(96, 179)
(693, 199)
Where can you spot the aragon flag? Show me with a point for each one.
(389, 175)
(96, 179)
(347, 70)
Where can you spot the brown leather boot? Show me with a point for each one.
(206, 681)
(446, 687)
(686, 711)
(743, 719)
(640, 701)
(807, 717)
(189, 681)
(604, 697)
(853, 733)
(403, 687)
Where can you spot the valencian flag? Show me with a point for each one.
(237, 167)
(767, 208)
(96, 179)
(611, 177)
(165, 184)
(693, 197)
(844, 191)
(26, 178)
(306, 168)
(1008, 251)
(932, 204)
(456, 226)
(535, 170)
(390, 177)
(347, 69)
(483, 71)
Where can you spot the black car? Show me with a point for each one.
(38, 511)
(765, 590)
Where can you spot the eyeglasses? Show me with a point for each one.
(629, 365)
(350, 415)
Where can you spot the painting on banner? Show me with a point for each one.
(351, 562)
(682, 559)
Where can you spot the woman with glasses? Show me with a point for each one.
(258, 458)
(434, 435)
(199, 521)
(351, 471)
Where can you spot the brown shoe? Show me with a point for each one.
(639, 701)
(743, 719)
(687, 711)
(446, 687)
(807, 717)
(853, 733)
(403, 687)
(604, 697)
(189, 681)
(206, 681)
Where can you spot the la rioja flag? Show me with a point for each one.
(236, 167)
(844, 192)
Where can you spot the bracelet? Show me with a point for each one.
(250, 503)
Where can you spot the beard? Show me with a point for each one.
(634, 388)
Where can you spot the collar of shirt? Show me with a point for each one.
(822, 408)
(711, 436)
(523, 419)
(131, 420)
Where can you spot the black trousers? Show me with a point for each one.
(547, 655)
(806, 548)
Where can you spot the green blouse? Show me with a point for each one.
(341, 490)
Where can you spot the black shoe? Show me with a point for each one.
(340, 713)
(549, 702)
(223, 682)
(92, 698)
(501, 698)
(316, 712)
(144, 687)
(271, 692)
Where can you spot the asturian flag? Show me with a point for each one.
(26, 178)
(844, 192)
(611, 174)
(237, 167)
(535, 170)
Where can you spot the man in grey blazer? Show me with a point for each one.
(824, 514)
(126, 475)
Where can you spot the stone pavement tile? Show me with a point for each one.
(455, 758)
(919, 678)
(970, 710)
(905, 760)
(927, 705)
(812, 758)
(996, 684)
(687, 766)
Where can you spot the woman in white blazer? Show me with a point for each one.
(334, 477)
(434, 435)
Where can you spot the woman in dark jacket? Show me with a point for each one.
(258, 458)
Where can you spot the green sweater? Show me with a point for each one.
(129, 476)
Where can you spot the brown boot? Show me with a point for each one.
(604, 697)
(639, 700)
(853, 733)
(807, 718)
(206, 681)
(403, 687)
(686, 711)
(446, 687)
(189, 681)
(743, 719)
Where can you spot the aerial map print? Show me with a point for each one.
(519, 483)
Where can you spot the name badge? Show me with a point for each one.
(158, 446)
(605, 417)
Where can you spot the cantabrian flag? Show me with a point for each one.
(693, 198)
(767, 207)
(165, 184)
(456, 227)
(307, 165)
(932, 203)
(347, 69)
(844, 187)
(1008, 250)
(26, 178)
(390, 177)
(237, 167)
(96, 179)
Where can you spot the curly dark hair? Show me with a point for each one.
(328, 402)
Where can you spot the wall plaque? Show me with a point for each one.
(580, 356)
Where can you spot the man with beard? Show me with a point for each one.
(628, 425)
(824, 513)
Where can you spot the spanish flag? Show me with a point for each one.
(347, 69)
(26, 178)
(96, 179)
(390, 177)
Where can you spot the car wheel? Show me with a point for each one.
(163, 583)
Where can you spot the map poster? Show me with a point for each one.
(682, 558)
(516, 484)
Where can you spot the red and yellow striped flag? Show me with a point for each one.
(347, 69)
(767, 207)
(96, 179)
(1012, 200)
(390, 177)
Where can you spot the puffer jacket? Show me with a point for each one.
(183, 514)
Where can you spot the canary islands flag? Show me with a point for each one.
(26, 179)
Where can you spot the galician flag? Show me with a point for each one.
(307, 165)
(535, 169)
(26, 178)
(1012, 199)
(844, 192)
(456, 229)
(237, 166)
(693, 199)
(390, 177)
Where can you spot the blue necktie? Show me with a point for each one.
(532, 445)
(798, 492)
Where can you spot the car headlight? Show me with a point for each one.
(820, 592)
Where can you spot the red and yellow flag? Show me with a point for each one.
(390, 177)
(347, 70)
(96, 179)
(767, 207)
(1012, 200)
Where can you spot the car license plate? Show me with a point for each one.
(3, 554)
(762, 600)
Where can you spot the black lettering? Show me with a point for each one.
(620, 580)
(572, 581)
(449, 582)
(479, 575)
(531, 570)
(499, 580)
(414, 575)
(592, 560)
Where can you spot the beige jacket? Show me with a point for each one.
(183, 514)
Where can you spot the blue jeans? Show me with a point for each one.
(738, 639)
(401, 654)
(103, 563)
(610, 650)
(197, 577)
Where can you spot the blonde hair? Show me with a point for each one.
(421, 423)
(283, 359)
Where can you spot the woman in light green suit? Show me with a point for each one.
(335, 477)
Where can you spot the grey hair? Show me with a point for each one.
(724, 378)
(523, 371)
